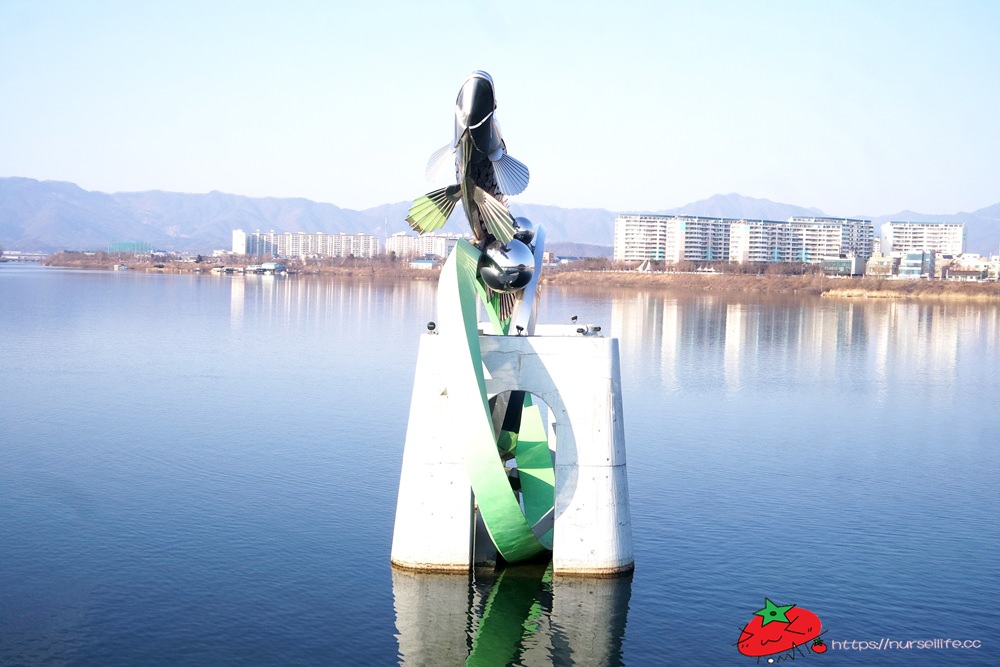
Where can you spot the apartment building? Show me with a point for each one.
(944, 237)
(798, 239)
(429, 245)
(304, 244)
(670, 238)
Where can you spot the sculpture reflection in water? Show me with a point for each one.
(521, 616)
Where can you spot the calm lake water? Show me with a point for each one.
(202, 470)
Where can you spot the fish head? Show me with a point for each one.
(476, 102)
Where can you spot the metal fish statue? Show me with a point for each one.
(486, 174)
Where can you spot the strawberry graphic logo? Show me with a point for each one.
(777, 629)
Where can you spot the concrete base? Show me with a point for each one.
(579, 379)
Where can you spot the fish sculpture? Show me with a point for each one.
(485, 172)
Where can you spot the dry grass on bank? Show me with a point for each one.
(346, 268)
(695, 282)
(871, 288)
(772, 284)
(813, 284)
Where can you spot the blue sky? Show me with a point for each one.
(855, 107)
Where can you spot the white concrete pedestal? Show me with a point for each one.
(579, 379)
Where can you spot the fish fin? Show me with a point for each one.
(431, 211)
(441, 165)
(512, 175)
(495, 215)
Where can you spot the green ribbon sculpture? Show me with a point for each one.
(510, 527)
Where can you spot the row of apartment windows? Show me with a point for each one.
(318, 244)
(302, 244)
(799, 239)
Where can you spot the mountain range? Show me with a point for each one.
(47, 216)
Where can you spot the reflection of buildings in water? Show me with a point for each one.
(236, 303)
(304, 299)
(693, 339)
(682, 337)
(827, 340)
(985, 324)
(942, 338)
(921, 336)
(647, 327)
(669, 330)
(736, 314)
(522, 616)
(880, 324)
(678, 342)
(788, 338)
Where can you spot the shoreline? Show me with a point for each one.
(817, 285)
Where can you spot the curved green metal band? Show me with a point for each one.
(534, 466)
(509, 528)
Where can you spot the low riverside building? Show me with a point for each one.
(269, 268)
(971, 267)
(423, 264)
(916, 264)
(882, 266)
(933, 265)
(843, 266)
(675, 238)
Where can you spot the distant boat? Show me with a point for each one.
(120, 267)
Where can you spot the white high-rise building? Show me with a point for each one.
(671, 238)
(944, 237)
(304, 244)
(857, 235)
(239, 242)
(799, 239)
(428, 245)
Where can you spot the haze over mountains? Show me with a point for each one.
(47, 216)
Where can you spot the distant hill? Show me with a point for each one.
(48, 216)
(52, 215)
(738, 206)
